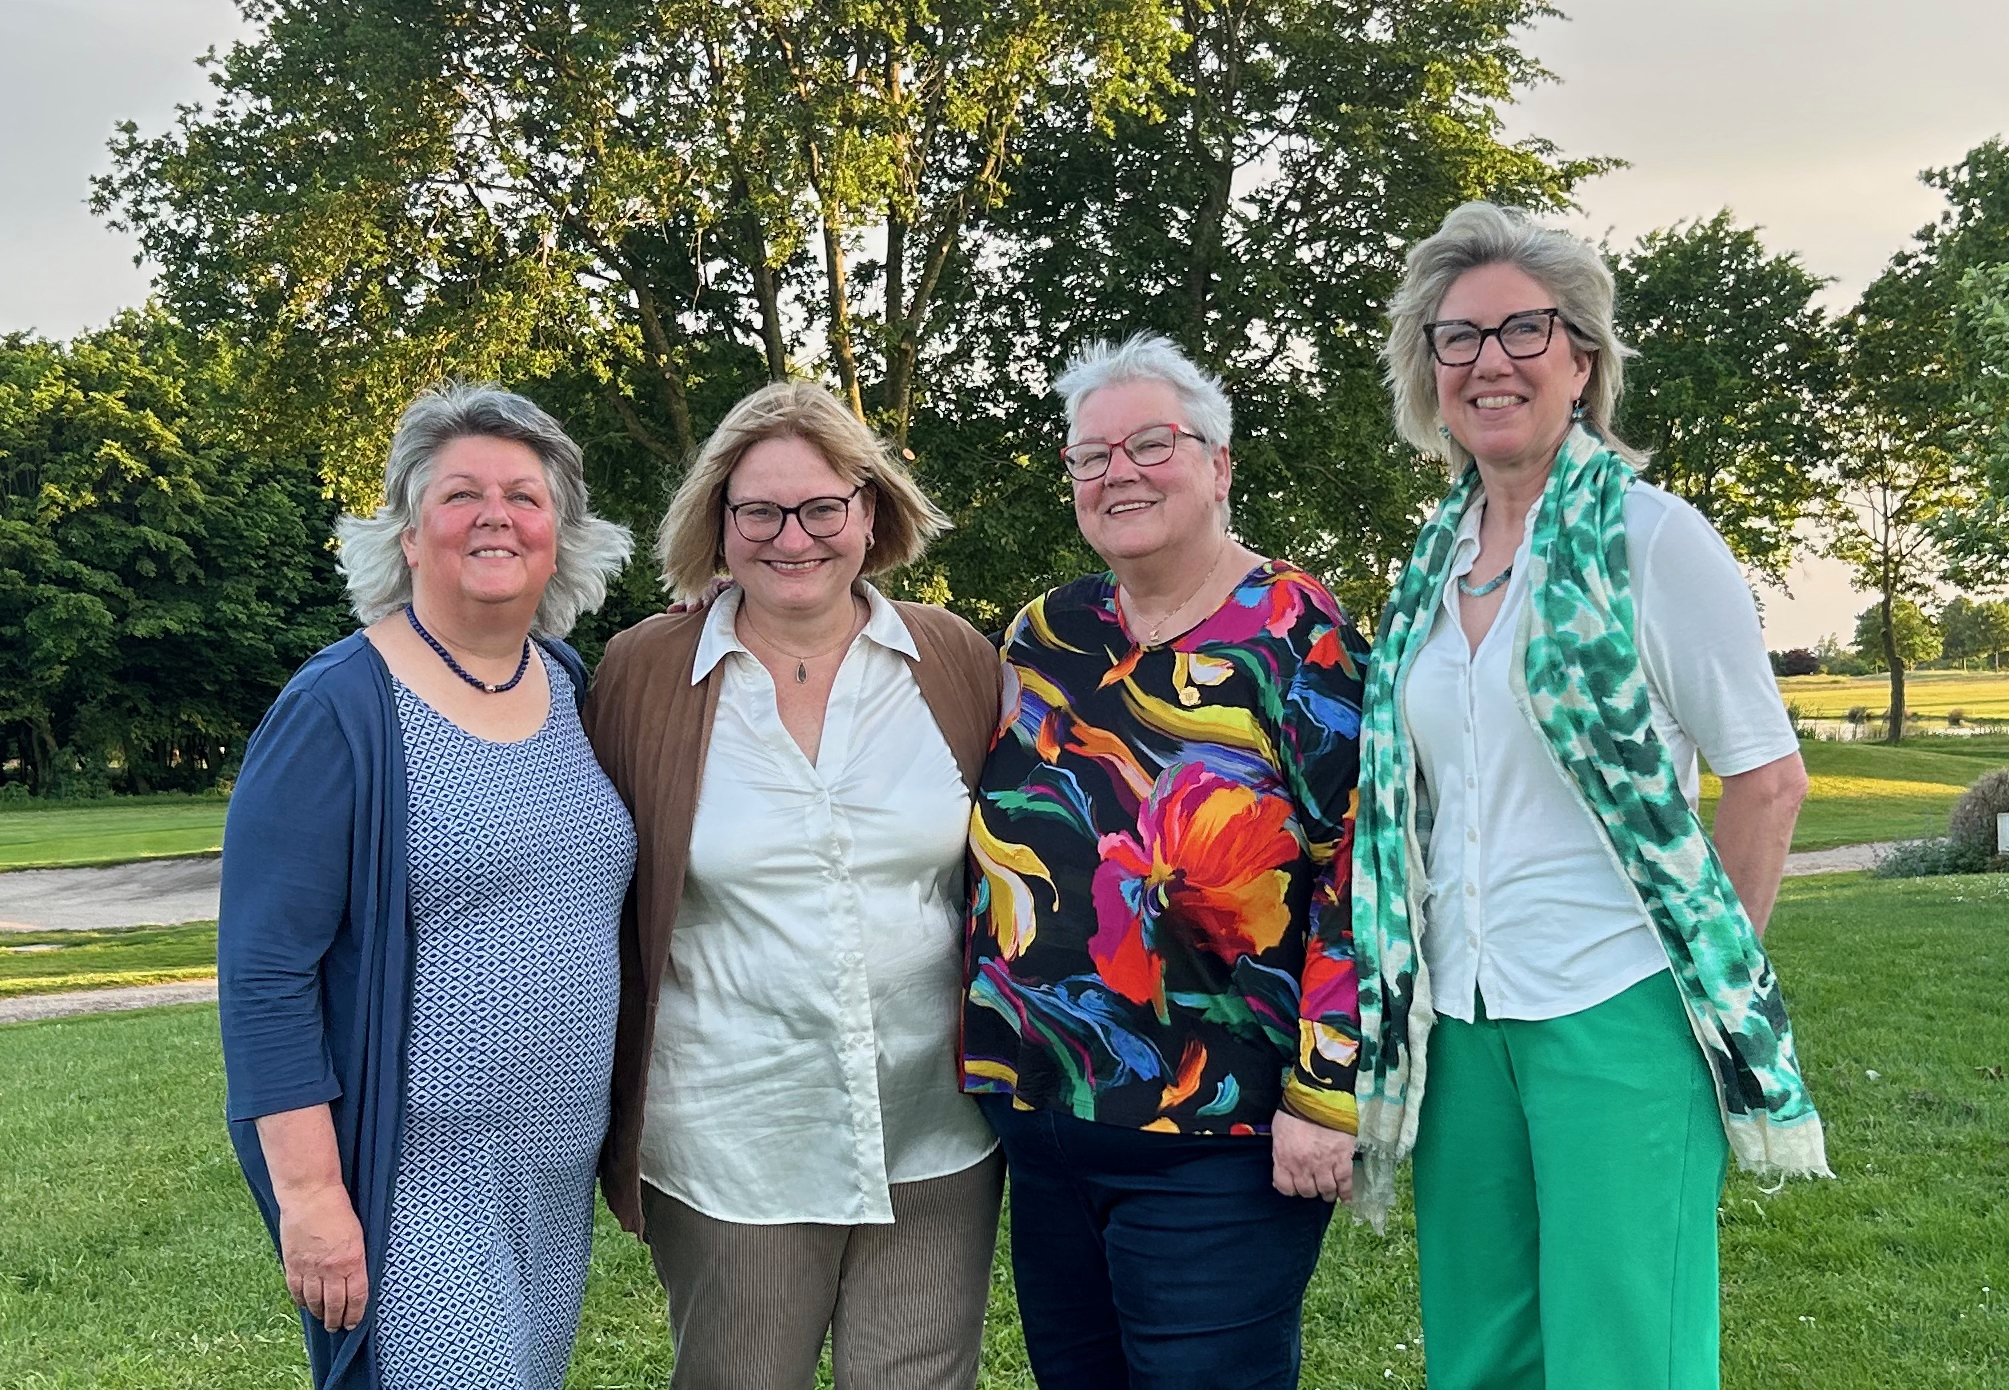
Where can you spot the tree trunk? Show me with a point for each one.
(1894, 724)
(766, 284)
(840, 312)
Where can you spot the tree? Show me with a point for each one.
(1260, 223)
(1914, 636)
(642, 208)
(1734, 361)
(159, 581)
(1798, 661)
(632, 193)
(1897, 464)
(1973, 629)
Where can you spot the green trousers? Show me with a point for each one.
(1567, 1173)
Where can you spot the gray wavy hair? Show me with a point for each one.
(1568, 267)
(1149, 357)
(591, 551)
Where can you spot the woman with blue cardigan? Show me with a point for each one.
(423, 871)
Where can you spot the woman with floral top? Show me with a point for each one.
(1161, 1019)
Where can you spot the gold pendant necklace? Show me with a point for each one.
(1205, 579)
(801, 662)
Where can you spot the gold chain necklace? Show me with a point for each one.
(802, 662)
(1205, 579)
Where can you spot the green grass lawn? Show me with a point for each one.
(130, 1256)
(49, 962)
(110, 832)
(1862, 792)
(1976, 694)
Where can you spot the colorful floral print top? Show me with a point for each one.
(1160, 930)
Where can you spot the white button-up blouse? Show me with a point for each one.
(1527, 905)
(805, 1047)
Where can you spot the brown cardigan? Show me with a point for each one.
(650, 728)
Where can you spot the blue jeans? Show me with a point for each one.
(1152, 1261)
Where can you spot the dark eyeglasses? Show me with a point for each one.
(820, 517)
(1458, 342)
(1088, 459)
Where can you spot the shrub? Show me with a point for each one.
(1929, 858)
(13, 793)
(1799, 662)
(1972, 824)
(1859, 714)
(1955, 718)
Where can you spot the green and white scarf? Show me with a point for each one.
(1576, 676)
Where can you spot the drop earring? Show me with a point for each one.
(1576, 411)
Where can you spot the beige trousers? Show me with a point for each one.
(903, 1304)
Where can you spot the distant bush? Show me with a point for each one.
(1858, 714)
(1955, 718)
(13, 792)
(1972, 824)
(1930, 858)
(1844, 664)
(1799, 662)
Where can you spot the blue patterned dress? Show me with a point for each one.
(520, 855)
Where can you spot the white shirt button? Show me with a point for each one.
(1472, 835)
(1471, 890)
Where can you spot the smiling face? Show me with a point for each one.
(1132, 513)
(1508, 412)
(794, 573)
(487, 531)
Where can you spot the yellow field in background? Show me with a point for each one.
(1976, 694)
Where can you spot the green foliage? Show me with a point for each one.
(159, 579)
(1259, 223)
(1971, 629)
(1931, 858)
(1917, 636)
(1972, 824)
(638, 209)
(1734, 363)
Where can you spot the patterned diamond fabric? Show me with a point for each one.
(520, 856)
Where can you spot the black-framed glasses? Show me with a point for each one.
(1088, 459)
(1458, 342)
(820, 517)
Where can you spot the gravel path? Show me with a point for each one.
(156, 892)
(1835, 861)
(99, 1001)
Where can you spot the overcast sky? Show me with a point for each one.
(1810, 118)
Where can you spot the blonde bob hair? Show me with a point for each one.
(1480, 234)
(691, 541)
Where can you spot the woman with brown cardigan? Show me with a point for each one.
(787, 1131)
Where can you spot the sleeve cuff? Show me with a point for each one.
(1321, 1105)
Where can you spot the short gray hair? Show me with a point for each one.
(1149, 357)
(1480, 234)
(590, 550)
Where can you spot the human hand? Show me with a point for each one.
(321, 1244)
(704, 599)
(1309, 1160)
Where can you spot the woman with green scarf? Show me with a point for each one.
(1544, 931)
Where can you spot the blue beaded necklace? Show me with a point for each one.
(461, 671)
(1491, 584)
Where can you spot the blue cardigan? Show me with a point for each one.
(313, 946)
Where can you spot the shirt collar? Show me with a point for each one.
(883, 625)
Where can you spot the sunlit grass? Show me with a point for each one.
(55, 961)
(131, 1257)
(109, 832)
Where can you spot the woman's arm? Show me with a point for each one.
(1754, 829)
(1312, 1134)
(320, 1239)
(286, 862)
